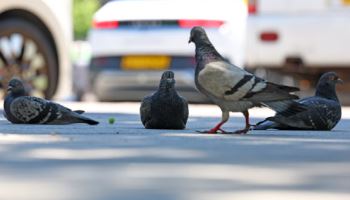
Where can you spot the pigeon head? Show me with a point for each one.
(326, 85)
(167, 81)
(16, 87)
(198, 34)
(330, 78)
(205, 51)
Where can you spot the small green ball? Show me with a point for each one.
(111, 120)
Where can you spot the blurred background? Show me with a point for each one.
(116, 50)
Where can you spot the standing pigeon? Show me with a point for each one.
(22, 109)
(323, 110)
(164, 109)
(232, 88)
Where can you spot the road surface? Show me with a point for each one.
(124, 161)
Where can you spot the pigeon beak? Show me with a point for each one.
(190, 40)
(170, 82)
(339, 81)
(9, 88)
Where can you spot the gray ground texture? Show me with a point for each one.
(125, 161)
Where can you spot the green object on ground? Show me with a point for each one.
(111, 120)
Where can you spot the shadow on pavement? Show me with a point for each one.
(126, 161)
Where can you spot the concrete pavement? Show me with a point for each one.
(125, 161)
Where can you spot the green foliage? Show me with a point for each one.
(83, 11)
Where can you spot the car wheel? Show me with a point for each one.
(26, 52)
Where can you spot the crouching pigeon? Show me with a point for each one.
(164, 109)
(22, 109)
(232, 88)
(323, 110)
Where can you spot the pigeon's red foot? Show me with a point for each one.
(215, 129)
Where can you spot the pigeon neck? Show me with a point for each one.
(166, 87)
(16, 94)
(327, 91)
(206, 52)
(166, 93)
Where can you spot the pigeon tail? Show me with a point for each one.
(275, 123)
(88, 120)
(286, 108)
(285, 88)
(264, 125)
(79, 111)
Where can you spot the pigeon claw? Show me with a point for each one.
(213, 131)
(241, 132)
(207, 132)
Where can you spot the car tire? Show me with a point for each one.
(26, 52)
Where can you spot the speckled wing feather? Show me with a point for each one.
(321, 114)
(33, 110)
(323, 111)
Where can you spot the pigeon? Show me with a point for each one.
(234, 89)
(323, 110)
(164, 109)
(22, 109)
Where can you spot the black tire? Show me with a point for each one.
(39, 70)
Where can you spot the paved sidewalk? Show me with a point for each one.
(125, 161)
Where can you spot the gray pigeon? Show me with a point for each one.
(232, 88)
(164, 109)
(22, 109)
(323, 110)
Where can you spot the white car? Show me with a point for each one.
(133, 41)
(303, 38)
(35, 38)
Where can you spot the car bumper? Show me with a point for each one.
(318, 40)
(162, 41)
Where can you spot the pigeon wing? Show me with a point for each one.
(321, 114)
(185, 107)
(228, 82)
(145, 109)
(33, 110)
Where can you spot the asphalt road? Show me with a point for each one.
(125, 161)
